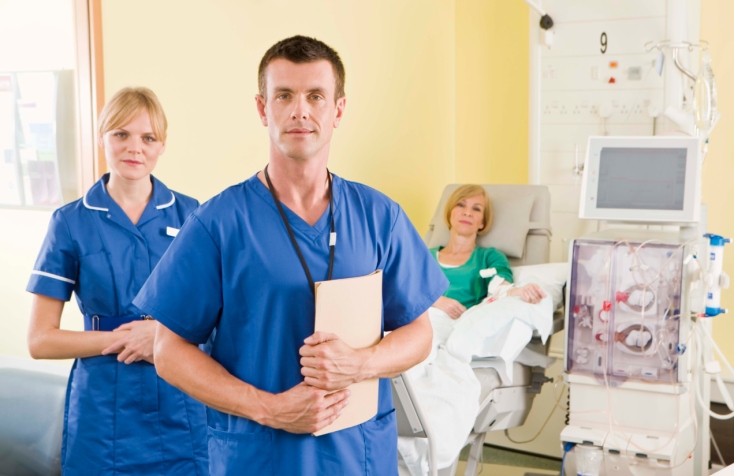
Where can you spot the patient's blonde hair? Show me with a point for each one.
(466, 191)
(128, 103)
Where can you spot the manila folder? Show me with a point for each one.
(351, 308)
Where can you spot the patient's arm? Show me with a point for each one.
(531, 293)
(452, 307)
(330, 364)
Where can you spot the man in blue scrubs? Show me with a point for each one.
(244, 264)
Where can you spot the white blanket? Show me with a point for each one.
(499, 329)
(447, 389)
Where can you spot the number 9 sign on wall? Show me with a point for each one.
(603, 41)
(596, 79)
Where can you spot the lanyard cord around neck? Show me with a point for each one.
(332, 236)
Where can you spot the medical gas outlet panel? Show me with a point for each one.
(625, 318)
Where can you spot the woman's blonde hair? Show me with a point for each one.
(466, 191)
(128, 103)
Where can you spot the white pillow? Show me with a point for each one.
(549, 276)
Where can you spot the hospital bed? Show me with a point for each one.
(520, 229)
(32, 396)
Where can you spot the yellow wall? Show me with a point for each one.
(492, 68)
(428, 89)
(202, 61)
(718, 169)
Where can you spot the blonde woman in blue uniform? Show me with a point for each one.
(119, 417)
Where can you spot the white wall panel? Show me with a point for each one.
(567, 197)
(581, 107)
(567, 226)
(590, 10)
(559, 137)
(576, 91)
(623, 37)
(556, 167)
(583, 73)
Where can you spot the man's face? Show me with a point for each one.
(299, 111)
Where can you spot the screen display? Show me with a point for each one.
(641, 178)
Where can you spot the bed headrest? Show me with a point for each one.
(520, 211)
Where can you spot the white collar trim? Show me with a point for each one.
(166, 205)
(158, 207)
(84, 201)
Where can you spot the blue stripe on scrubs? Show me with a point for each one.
(119, 418)
(233, 268)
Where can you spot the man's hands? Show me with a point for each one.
(135, 343)
(452, 307)
(330, 364)
(304, 409)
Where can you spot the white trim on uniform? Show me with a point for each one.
(166, 205)
(84, 201)
(54, 276)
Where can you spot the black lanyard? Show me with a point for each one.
(332, 236)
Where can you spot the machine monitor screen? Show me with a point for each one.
(641, 179)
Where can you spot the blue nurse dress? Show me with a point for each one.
(119, 419)
(234, 268)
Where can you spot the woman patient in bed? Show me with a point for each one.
(469, 214)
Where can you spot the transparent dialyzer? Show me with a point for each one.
(624, 310)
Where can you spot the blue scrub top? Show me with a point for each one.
(233, 268)
(93, 249)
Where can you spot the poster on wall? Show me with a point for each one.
(29, 160)
(38, 157)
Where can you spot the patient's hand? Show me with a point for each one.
(531, 293)
(452, 307)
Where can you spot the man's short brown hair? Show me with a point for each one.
(302, 49)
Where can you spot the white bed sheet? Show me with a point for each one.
(448, 389)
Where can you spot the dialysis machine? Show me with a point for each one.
(638, 356)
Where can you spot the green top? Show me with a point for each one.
(465, 284)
